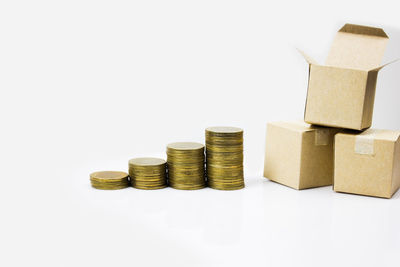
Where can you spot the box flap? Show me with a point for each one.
(307, 58)
(357, 47)
(384, 65)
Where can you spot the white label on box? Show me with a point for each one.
(364, 144)
(322, 137)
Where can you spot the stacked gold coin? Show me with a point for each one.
(224, 158)
(148, 173)
(109, 180)
(186, 165)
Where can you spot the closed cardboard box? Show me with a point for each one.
(341, 93)
(367, 163)
(299, 155)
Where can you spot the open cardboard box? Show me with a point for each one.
(341, 93)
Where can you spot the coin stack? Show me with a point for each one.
(109, 180)
(186, 165)
(148, 173)
(224, 158)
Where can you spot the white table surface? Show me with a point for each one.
(264, 224)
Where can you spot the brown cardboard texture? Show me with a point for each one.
(341, 93)
(299, 155)
(367, 163)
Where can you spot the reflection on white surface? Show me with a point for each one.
(263, 224)
(224, 218)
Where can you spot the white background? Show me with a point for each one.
(87, 85)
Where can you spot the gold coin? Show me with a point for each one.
(186, 168)
(148, 173)
(224, 158)
(109, 180)
(185, 146)
(224, 130)
(146, 162)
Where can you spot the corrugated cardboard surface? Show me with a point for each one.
(396, 168)
(316, 159)
(336, 97)
(282, 154)
(369, 99)
(342, 93)
(299, 155)
(365, 163)
(357, 47)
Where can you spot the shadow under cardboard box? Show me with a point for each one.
(268, 181)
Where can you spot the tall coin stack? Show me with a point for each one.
(185, 162)
(109, 180)
(148, 173)
(224, 158)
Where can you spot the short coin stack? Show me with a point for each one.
(109, 180)
(186, 165)
(224, 158)
(148, 173)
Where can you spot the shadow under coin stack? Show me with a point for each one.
(224, 158)
(148, 173)
(186, 165)
(109, 180)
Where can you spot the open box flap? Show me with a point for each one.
(309, 59)
(384, 65)
(357, 47)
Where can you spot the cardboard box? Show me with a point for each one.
(367, 163)
(341, 93)
(299, 155)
